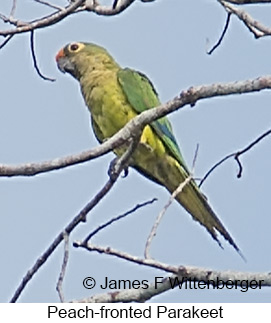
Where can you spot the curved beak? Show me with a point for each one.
(60, 60)
(63, 63)
(60, 54)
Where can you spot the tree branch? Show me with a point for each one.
(32, 47)
(61, 13)
(8, 38)
(183, 273)
(118, 6)
(162, 213)
(48, 4)
(177, 191)
(81, 217)
(131, 295)
(187, 97)
(113, 10)
(248, 1)
(236, 156)
(22, 27)
(13, 8)
(59, 286)
(254, 26)
(117, 218)
(222, 35)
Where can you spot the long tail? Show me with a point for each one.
(197, 205)
(168, 172)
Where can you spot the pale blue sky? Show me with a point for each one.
(40, 120)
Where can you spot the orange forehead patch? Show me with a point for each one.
(60, 54)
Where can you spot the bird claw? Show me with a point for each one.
(112, 171)
(125, 172)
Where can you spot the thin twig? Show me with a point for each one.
(13, 8)
(214, 167)
(161, 214)
(236, 156)
(115, 3)
(8, 38)
(59, 286)
(254, 26)
(195, 159)
(243, 151)
(171, 199)
(126, 256)
(106, 224)
(48, 4)
(222, 35)
(35, 59)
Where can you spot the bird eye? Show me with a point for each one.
(74, 47)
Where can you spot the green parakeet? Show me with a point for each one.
(114, 96)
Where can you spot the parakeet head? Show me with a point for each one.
(77, 58)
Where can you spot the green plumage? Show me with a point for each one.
(142, 95)
(114, 96)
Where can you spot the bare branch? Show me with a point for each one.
(61, 13)
(8, 38)
(117, 218)
(161, 214)
(115, 3)
(69, 228)
(248, 1)
(118, 7)
(48, 4)
(183, 273)
(59, 286)
(187, 97)
(222, 35)
(178, 190)
(35, 60)
(81, 217)
(236, 156)
(31, 169)
(132, 295)
(121, 2)
(126, 256)
(13, 8)
(22, 27)
(254, 26)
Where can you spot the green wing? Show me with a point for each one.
(142, 96)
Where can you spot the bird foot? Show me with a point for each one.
(112, 171)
